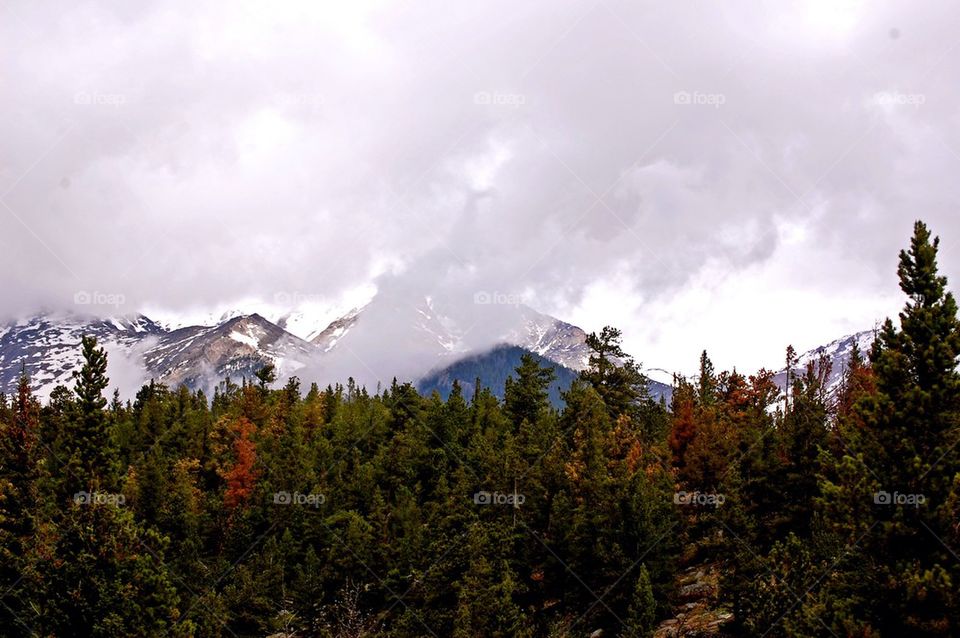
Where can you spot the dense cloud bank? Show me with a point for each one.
(613, 162)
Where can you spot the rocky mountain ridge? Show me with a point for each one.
(236, 344)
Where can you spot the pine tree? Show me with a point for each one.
(791, 364)
(19, 510)
(486, 605)
(642, 612)
(802, 436)
(266, 375)
(87, 435)
(96, 571)
(526, 397)
(683, 421)
(242, 475)
(706, 381)
(103, 575)
(902, 441)
(614, 374)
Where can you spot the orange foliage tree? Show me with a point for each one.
(241, 477)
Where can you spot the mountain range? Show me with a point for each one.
(385, 338)
(236, 344)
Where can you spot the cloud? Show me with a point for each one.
(126, 371)
(555, 150)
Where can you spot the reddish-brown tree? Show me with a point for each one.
(241, 478)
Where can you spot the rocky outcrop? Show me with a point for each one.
(698, 612)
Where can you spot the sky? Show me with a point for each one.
(735, 176)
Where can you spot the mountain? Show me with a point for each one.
(493, 367)
(383, 338)
(373, 342)
(552, 339)
(48, 346)
(199, 355)
(839, 352)
(327, 338)
(424, 335)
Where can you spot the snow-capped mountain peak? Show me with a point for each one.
(838, 352)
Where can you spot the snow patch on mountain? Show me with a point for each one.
(838, 351)
(659, 375)
(48, 347)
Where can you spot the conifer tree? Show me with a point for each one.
(614, 375)
(97, 571)
(19, 474)
(526, 397)
(706, 381)
(683, 421)
(643, 608)
(266, 375)
(90, 465)
(903, 441)
(242, 474)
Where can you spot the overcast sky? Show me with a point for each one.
(734, 176)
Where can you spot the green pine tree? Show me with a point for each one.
(901, 440)
(87, 434)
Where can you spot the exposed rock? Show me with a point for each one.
(697, 612)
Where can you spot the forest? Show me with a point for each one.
(288, 510)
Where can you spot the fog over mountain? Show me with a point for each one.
(719, 184)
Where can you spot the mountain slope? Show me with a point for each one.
(327, 338)
(197, 355)
(839, 352)
(493, 367)
(48, 346)
(551, 338)
(384, 339)
(391, 337)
